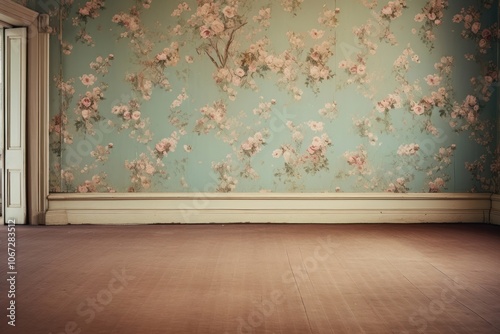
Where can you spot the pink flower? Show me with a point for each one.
(136, 115)
(205, 32)
(419, 17)
(315, 56)
(457, 18)
(475, 27)
(432, 80)
(82, 189)
(217, 26)
(150, 169)
(161, 57)
(84, 11)
(87, 79)
(246, 146)
(417, 109)
(229, 12)
(387, 10)
(316, 34)
(486, 33)
(85, 113)
(86, 102)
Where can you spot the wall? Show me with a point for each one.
(274, 96)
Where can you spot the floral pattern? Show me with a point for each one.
(219, 95)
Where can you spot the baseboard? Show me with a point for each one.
(495, 210)
(134, 208)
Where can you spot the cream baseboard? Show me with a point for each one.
(495, 210)
(138, 208)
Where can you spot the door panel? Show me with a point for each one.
(15, 124)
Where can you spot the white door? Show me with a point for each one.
(14, 158)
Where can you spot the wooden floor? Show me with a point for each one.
(425, 278)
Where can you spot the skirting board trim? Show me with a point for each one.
(495, 210)
(167, 208)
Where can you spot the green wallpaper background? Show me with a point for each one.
(273, 96)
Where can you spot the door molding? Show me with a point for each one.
(36, 104)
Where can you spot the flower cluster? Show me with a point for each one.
(264, 17)
(356, 70)
(227, 183)
(358, 160)
(96, 184)
(363, 126)
(319, 145)
(329, 17)
(431, 128)
(57, 126)
(264, 109)
(101, 65)
(65, 87)
(468, 110)
(214, 19)
(483, 36)
(130, 117)
(282, 64)
(329, 110)
(431, 16)
(477, 169)
(101, 153)
(131, 22)
(142, 170)
(433, 79)
(182, 7)
(180, 99)
(363, 34)
(315, 159)
(392, 101)
(297, 135)
(287, 152)
(144, 85)
(166, 145)
(408, 150)
(253, 144)
(291, 5)
(483, 85)
(399, 186)
(438, 98)
(129, 113)
(315, 126)
(317, 69)
(84, 37)
(445, 154)
(87, 109)
(393, 9)
(295, 40)
(89, 10)
(495, 165)
(436, 185)
(402, 63)
(214, 116)
(66, 48)
(146, 3)
(445, 66)
(168, 56)
(67, 176)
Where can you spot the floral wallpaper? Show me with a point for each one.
(274, 96)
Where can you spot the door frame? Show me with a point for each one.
(37, 110)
